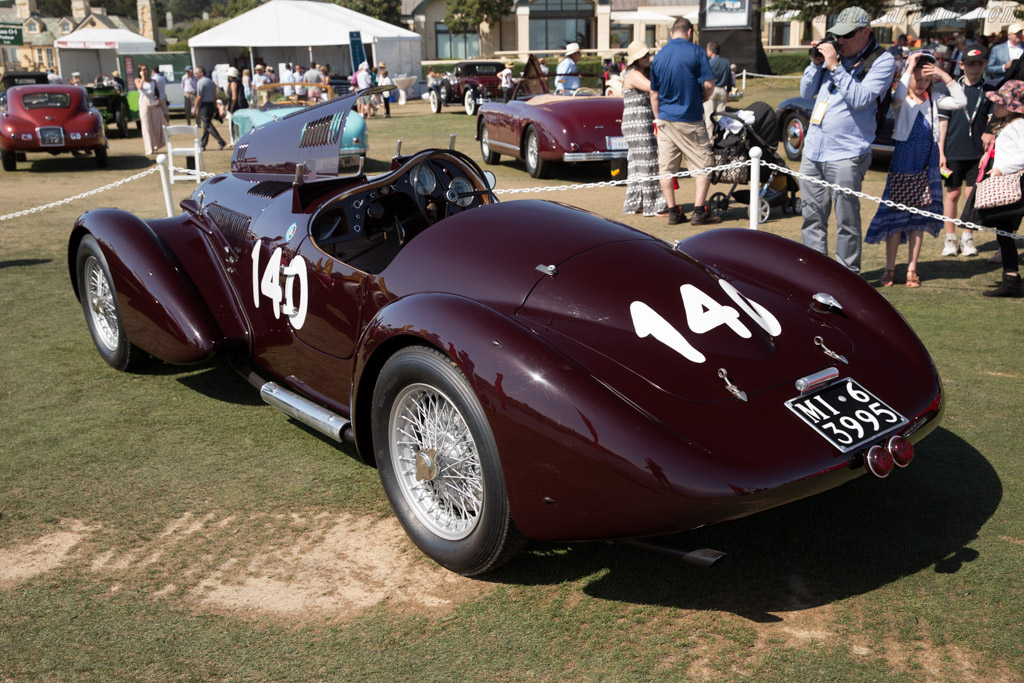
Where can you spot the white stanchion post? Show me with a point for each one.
(165, 180)
(744, 87)
(755, 187)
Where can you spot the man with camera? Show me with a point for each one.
(850, 78)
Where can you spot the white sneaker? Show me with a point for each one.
(967, 247)
(949, 249)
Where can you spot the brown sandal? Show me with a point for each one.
(887, 278)
(912, 279)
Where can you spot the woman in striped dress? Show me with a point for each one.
(638, 128)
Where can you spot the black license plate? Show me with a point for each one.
(846, 414)
(51, 136)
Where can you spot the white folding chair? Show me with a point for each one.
(186, 145)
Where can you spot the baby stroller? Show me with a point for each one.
(734, 136)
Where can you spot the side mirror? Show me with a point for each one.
(491, 179)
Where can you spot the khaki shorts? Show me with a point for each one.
(677, 139)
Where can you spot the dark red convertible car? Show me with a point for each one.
(541, 128)
(49, 118)
(468, 85)
(513, 370)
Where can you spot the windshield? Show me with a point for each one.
(279, 95)
(46, 100)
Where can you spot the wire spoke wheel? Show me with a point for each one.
(437, 461)
(101, 307)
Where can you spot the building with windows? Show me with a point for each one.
(547, 26)
(37, 52)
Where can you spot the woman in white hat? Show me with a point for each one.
(645, 196)
(505, 77)
(566, 80)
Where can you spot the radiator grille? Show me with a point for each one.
(233, 225)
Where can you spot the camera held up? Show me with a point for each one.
(831, 39)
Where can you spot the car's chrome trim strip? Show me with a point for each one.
(594, 156)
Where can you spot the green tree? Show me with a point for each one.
(466, 15)
(236, 7)
(385, 10)
(54, 8)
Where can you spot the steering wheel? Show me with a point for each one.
(586, 92)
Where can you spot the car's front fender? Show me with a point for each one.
(160, 308)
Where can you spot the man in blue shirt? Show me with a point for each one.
(722, 70)
(846, 85)
(566, 80)
(681, 80)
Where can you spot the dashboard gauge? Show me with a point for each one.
(461, 186)
(423, 179)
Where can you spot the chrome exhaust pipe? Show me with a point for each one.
(705, 558)
(305, 411)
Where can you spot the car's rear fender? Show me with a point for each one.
(562, 435)
(161, 309)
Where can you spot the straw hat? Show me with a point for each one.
(382, 65)
(637, 50)
(571, 49)
(1011, 96)
(509, 64)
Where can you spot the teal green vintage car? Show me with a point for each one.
(270, 103)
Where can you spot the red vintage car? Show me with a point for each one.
(52, 119)
(541, 128)
(468, 85)
(513, 370)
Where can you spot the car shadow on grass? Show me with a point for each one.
(845, 542)
(23, 262)
(64, 163)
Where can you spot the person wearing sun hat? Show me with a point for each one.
(505, 79)
(642, 196)
(1002, 55)
(566, 80)
(847, 80)
(1007, 104)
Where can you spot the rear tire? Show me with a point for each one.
(535, 165)
(439, 464)
(102, 312)
(469, 101)
(490, 156)
(9, 160)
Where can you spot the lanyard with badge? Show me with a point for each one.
(977, 105)
(821, 106)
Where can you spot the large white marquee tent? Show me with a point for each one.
(93, 51)
(301, 31)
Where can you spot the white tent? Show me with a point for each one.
(93, 51)
(301, 31)
(642, 16)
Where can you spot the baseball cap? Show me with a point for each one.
(974, 53)
(850, 20)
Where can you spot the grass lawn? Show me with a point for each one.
(168, 525)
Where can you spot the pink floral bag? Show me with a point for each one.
(999, 190)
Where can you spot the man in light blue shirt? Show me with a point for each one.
(846, 86)
(566, 80)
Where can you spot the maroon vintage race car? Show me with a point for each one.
(49, 118)
(541, 128)
(514, 370)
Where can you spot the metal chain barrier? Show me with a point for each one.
(894, 205)
(68, 200)
(624, 181)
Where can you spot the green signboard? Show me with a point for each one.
(10, 35)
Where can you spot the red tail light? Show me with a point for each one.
(879, 461)
(902, 450)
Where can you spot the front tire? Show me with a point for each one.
(101, 157)
(435, 102)
(9, 160)
(535, 165)
(469, 101)
(122, 124)
(102, 312)
(439, 464)
(490, 156)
